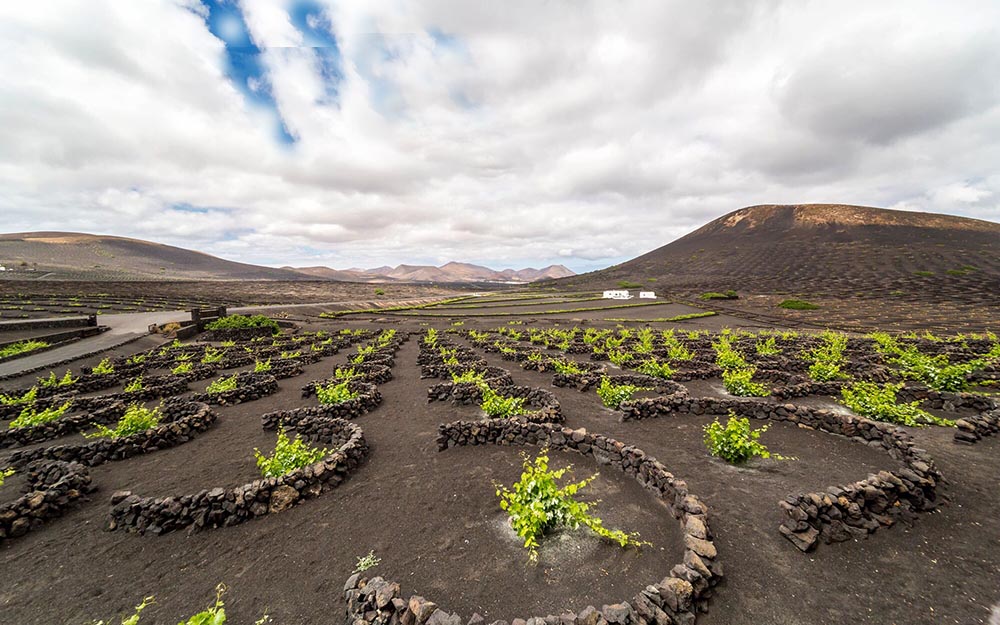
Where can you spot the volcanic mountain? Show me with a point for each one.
(78, 256)
(822, 248)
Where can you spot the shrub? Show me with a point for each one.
(184, 367)
(262, 366)
(767, 347)
(727, 357)
(740, 382)
(30, 416)
(239, 322)
(736, 442)
(222, 385)
(612, 395)
(289, 355)
(567, 367)
(4, 474)
(620, 357)
(379, 291)
(335, 393)
(211, 356)
(21, 347)
(52, 381)
(345, 373)
(626, 284)
(367, 562)
(497, 406)
(537, 504)
(135, 385)
(656, 369)
(182, 357)
(924, 274)
(212, 615)
(431, 338)
(468, 376)
(136, 419)
(828, 357)
(730, 294)
(27, 398)
(104, 368)
(136, 359)
(935, 371)
(797, 304)
(288, 456)
(878, 402)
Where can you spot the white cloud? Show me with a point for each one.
(517, 133)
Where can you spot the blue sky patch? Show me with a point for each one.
(244, 65)
(312, 21)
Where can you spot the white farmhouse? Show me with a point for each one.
(617, 295)
(647, 295)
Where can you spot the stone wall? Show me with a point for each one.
(17, 437)
(674, 599)
(182, 419)
(841, 512)
(369, 399)
(51, 488)
(224, 507)
(249, 387)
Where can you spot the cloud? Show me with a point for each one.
(521, 133)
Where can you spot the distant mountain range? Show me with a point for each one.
(449, 272)
(81, 256)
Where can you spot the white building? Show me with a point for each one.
(617, 295)
(647, 295)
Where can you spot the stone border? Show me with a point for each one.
(18, 437)
(546, 405)
(163, 386)
(52, 489)
(584, 382)
(369, 400)
(225, 507)
(249, 387)
(182, 420)
(841, 512)
(66, 361)
(375, 374)
(236, 334)
(675, 599)
(971, 429)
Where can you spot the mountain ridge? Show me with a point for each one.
(84, 256)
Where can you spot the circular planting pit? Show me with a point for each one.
(226, 506)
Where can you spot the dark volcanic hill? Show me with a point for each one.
(823, 248)
(77, 256)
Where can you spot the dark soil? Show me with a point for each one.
(432, 517)
(943, 569)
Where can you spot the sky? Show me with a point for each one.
(359, 133)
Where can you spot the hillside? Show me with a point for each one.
(824, 249)
(77, 256)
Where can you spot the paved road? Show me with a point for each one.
(127, 326)
(124, 328)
